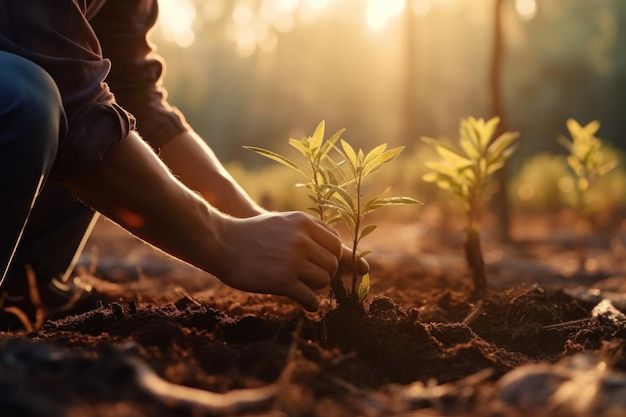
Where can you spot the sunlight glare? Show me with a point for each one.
(317, 5)
(421, 7)
(527, 9)
(243, 14)
(379, 12)
(246, 41)
(284, 22)
(310, 10)
(448, 3)
(176, 20)
(286, 6)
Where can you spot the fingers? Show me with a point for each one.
(327, 263)
(362, 267)
(326, 236)
(303, 295)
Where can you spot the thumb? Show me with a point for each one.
(362, 267)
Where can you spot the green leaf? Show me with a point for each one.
(494, 167)
(468, 131)
(378, 150)
(396, 201)
(364, 253)
(330, 143)
(453, 156)
(488, 130)
(276, 157)
(367, 230)
(378, 161)
(503, 142)
(469, 147)
(318, 137)
(302, 146)
(364, 287)
(342, 196)
(430, 176)
(350, 155)
(437, 143)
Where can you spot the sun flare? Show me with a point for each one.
(176, 19)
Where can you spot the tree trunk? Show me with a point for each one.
(501, 199)
(410, 74)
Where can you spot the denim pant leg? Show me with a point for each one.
(40, 223)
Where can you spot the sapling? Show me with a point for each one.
(336, 189)
(465, 173)
(347, 199)
(587, 162)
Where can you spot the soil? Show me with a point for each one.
(547, 339)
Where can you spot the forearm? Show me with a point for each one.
(195, 164)
(289, 254)
(133, 188)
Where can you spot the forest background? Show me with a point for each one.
(257, 72)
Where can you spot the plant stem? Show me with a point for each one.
(355, 238)
(581, 233)
(474, 257)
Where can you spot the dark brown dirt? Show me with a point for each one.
(422, 348)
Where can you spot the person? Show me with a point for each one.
(85, 128)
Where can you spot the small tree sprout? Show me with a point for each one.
(335, 186)
(465, 172)
(587, 162)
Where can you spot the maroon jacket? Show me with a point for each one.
(98, 53)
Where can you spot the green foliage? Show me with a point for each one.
(539, 184)
(335, 184)
(585, 158)
(346, 195)
(465, 172)
(588, 163)
(545, 183)
(322, 169)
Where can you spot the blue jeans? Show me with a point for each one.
(41, 224)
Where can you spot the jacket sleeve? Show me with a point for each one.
(122, 27)
(57, 37)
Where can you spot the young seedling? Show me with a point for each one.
(336, 189)
(587, 162)
(465, 173)
(347, 200)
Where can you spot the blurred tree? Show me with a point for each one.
(568, 61)
(501, 198)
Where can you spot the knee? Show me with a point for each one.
(32, 119)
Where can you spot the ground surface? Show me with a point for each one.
(546, 340)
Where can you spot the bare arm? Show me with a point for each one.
(195, 164)
(289, 254)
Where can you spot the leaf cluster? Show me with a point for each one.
(345, 197)
(465, 171)
(585, 158)
(335, 183)
(321, 168)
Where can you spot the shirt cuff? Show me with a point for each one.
(98, 130)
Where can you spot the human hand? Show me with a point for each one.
(345, 262)
(291, 254)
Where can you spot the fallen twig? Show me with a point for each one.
(566, 324)
(235, 401)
